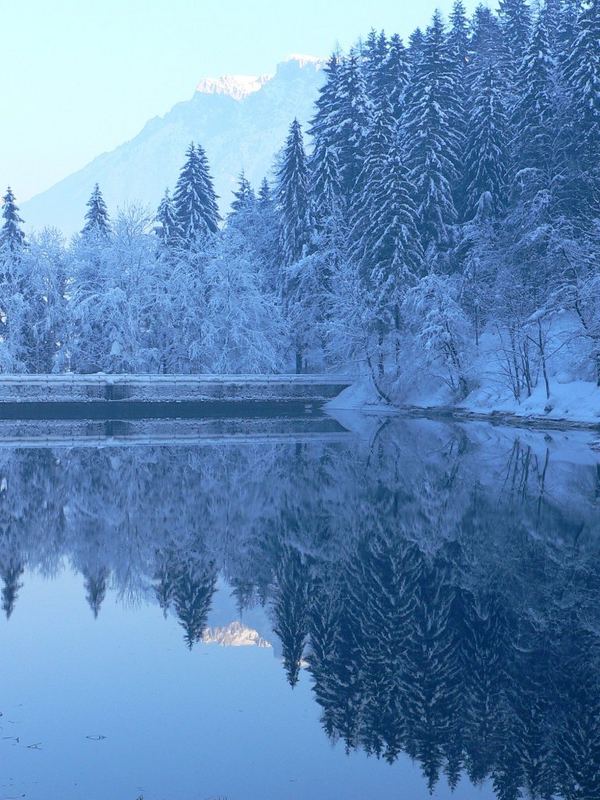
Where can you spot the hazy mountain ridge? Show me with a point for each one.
(241, 121)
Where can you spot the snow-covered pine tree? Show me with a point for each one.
(431, 138)
(324, 124)
(535, 114)
(293, 200)
(458, 47)
(583, 71)
(385, 238)
(265, 195)
(266, 237)
(296, 229)
(485, 42)
(458, 38)
(415, 50)
(195, 198)
(15, 279)
(565, 13)
(485, 159)
(330, 240)
(364, 214)
(395, 252)
(244, 214)
(325, 185)
(166, 217)
(373, 54)
(351, 134)
(243, 197)
(12, 237)
(96, 217)
(393, 76)
(515, 22)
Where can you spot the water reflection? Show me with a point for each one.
(439, 584)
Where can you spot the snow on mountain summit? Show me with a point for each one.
(303, 60)
(235, 86)
(240, 86)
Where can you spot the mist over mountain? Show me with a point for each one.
(240, 120)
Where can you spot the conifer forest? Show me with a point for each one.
(440, 213)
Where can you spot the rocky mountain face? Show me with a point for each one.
(241, 121)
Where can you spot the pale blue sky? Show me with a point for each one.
(82, 76)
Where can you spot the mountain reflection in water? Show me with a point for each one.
(438, 584)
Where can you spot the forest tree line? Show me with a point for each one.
(445, 201)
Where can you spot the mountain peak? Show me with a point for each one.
(235, 86)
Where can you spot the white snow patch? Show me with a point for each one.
(235, 86)
(304, 60)
(575, 401)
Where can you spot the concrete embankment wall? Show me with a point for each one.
(135, 396)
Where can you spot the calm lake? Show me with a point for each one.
(359, 609)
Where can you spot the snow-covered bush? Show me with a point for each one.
(441, 328)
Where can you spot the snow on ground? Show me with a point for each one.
(575, 400)
(574, 395)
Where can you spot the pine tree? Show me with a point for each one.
(265, 195)
(385, 232)
(342, 120)
(244, 197)
(195, 199)
(324, 125)
(373, 54)
(535, 113)
(565, 13)
(293, 198)
(515, 20)
(458, 51)
(485, 47)
(325, 185)
(486, 157)
(584, 79)
(192, 598)
(96, 216)
(12, 237)
(394, 76)
(290, 610)
(166, 216)
(95, 588)
(458, 38)
(431, 138)
(355, 119)
(10, 574)
(266, 237)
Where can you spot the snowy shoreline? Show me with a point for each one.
(581, 413)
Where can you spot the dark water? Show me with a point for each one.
(271, 611)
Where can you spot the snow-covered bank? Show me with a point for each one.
(555, 387)
(572, 404)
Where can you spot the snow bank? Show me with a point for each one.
(574, 395)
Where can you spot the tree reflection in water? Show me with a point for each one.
(438, 583)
